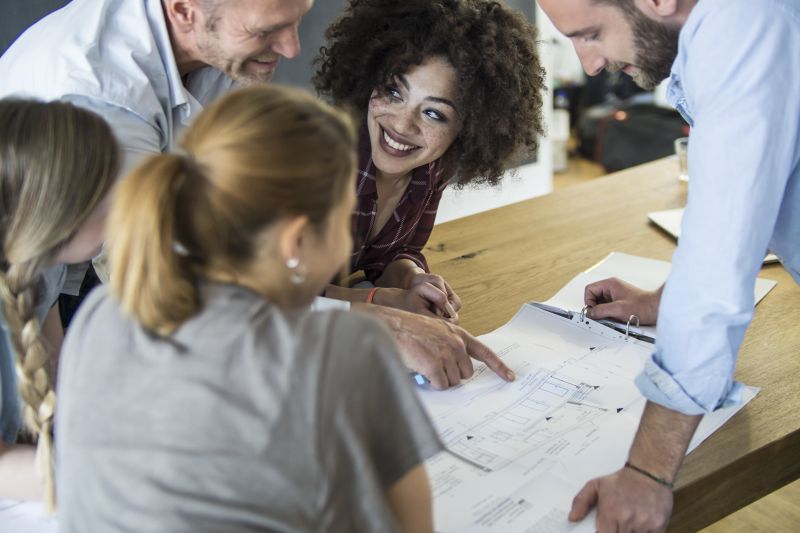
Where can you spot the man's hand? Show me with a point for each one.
(614, 298)
(626, 501)
(438, 350)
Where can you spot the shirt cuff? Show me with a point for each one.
(327, 304)
(658, 386)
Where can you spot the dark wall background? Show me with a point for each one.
(298, 71)
(17, 15)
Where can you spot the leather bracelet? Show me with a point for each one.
(645, 473)
(371, 294)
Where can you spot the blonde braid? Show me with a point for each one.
(19, 292)
(57, 163)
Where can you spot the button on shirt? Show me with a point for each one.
(113, 57)
(736, 80)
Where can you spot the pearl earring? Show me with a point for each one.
(297, 273)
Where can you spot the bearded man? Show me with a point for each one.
(736, 80)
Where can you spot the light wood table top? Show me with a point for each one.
(500, 259)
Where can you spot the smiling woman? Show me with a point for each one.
(447, 92)
(413, 119)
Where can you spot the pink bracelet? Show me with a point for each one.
(371, 294)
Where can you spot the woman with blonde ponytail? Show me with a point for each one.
(57, 166)
(218, 400)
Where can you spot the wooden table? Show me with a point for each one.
(499, 259)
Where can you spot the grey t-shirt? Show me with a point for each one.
(246, 419)
(10, 404)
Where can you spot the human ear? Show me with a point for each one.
(658, 9)
(292, 237)
(182, 14)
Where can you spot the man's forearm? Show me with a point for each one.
(661, 441)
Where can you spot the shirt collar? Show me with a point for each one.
(178, 95)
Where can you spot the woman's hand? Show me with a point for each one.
(404, 285)
(440, 283)
(423, 298)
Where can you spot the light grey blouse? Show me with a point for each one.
(245, 419)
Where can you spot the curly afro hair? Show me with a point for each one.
(492, 48)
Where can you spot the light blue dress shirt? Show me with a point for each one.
(736, 80)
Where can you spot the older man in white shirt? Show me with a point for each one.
(149, 66)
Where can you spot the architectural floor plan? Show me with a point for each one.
(517, 453)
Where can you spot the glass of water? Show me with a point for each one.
(682, 151)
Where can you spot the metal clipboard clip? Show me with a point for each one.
(582, 318)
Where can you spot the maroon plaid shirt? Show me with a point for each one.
(407, 230)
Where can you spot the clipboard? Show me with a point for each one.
(604, 327)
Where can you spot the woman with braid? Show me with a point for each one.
(57, 166)
(218, 400)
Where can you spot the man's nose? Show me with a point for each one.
(592, 62)
(287, 43)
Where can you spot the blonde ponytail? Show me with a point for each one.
(254, 156)
(151, 274)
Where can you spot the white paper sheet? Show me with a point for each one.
(670, 221)
(517, 453)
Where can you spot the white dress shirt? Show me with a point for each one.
(113, 57)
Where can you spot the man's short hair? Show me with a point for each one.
(627, 6)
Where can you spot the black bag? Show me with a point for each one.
(627, 136)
